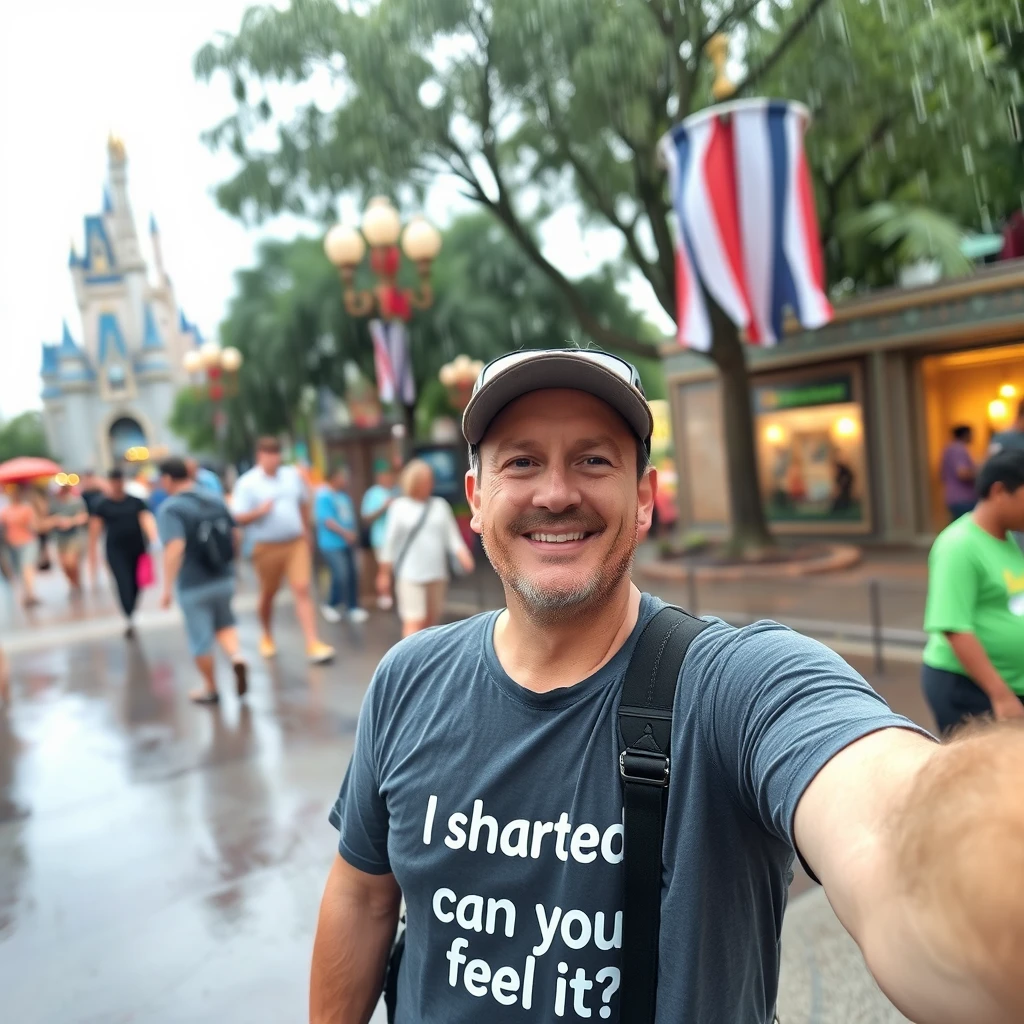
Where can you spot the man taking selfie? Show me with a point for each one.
(486, 785)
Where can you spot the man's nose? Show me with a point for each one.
(556, 491)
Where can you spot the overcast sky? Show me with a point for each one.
(72, 71)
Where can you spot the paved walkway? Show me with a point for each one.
(162, 863)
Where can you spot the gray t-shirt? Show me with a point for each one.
(1012, 440)
(178, 518)
(499, 811)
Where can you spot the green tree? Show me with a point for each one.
(288, 321)
(23, 435)
(530, 104)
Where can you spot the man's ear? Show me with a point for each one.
(646, 492)
(473, 497)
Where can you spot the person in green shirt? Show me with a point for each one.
(974, 616)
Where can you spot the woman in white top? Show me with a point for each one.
(421, 535)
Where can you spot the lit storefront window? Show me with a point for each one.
(810, 437)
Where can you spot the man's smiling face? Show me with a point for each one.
(557, 502)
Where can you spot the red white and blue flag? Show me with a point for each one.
(392, 362)
(748, 232)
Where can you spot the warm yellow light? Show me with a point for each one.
(74, 479)
(61, 480)
(998, 410)
(846, 426)
(231, 360)
(381, 223)
(192, 361)
(344, 246)
(209, 354)
(774, 434)
(421, 241)
(141, 454)
(1007, 391)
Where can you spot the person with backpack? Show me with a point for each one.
(592, 802)
(198, 534)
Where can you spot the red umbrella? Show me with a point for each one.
(25, 469)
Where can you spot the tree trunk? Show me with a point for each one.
(749, 526)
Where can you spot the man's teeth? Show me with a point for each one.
(556, 538)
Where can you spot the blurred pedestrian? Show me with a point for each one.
(272, 502)
(138, 486)
(21, 524)
(958, 472)
(92, 491)
(374, 513)
(974, 659)
(68, 521)
(199, 538)
(204, 478)
(130, 529)
(422, 535)
(5, 679)
(337, 538)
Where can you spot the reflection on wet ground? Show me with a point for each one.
(163, 863)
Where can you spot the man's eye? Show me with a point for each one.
(596, 460)
(523, 463)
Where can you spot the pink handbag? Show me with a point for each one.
(145, 574)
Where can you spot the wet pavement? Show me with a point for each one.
(163, 863)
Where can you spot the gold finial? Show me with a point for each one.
(717, 49)
(115, 147)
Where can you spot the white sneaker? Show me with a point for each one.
(330, 614)
(358, 615)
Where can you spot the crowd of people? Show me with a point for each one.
(272, 515)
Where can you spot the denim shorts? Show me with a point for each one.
(207, 610)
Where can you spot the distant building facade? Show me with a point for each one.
(114, 388)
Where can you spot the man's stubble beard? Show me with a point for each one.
(557, 607)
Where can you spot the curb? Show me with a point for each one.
(836, 558)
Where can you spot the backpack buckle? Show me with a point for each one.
(644, 767)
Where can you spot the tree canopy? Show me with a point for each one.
(23, 435)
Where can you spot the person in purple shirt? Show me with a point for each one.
(958, 471)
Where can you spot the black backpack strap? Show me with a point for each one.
(645, 724)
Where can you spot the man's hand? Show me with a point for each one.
(1007, 706)
(166, 599)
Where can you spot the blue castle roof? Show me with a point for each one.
(51, 360)
(151, 339)
(153, 229)
(68, 346)
(108, 206)
(110, 338)
(96, 235)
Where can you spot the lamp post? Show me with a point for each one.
(217, 369)
(458, 377)
(381, 230)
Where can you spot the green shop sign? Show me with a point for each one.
(830, 391)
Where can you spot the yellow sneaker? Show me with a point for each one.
(319, 653)
(268, 649)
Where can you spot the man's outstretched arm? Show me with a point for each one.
(358, 917)
(920, 849)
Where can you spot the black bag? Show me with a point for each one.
(214, 535)
(645, 727)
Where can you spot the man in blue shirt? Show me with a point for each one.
(484, 786)
(376, 502)
(205, 478)
(337, 539)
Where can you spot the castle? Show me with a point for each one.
(114, 390)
